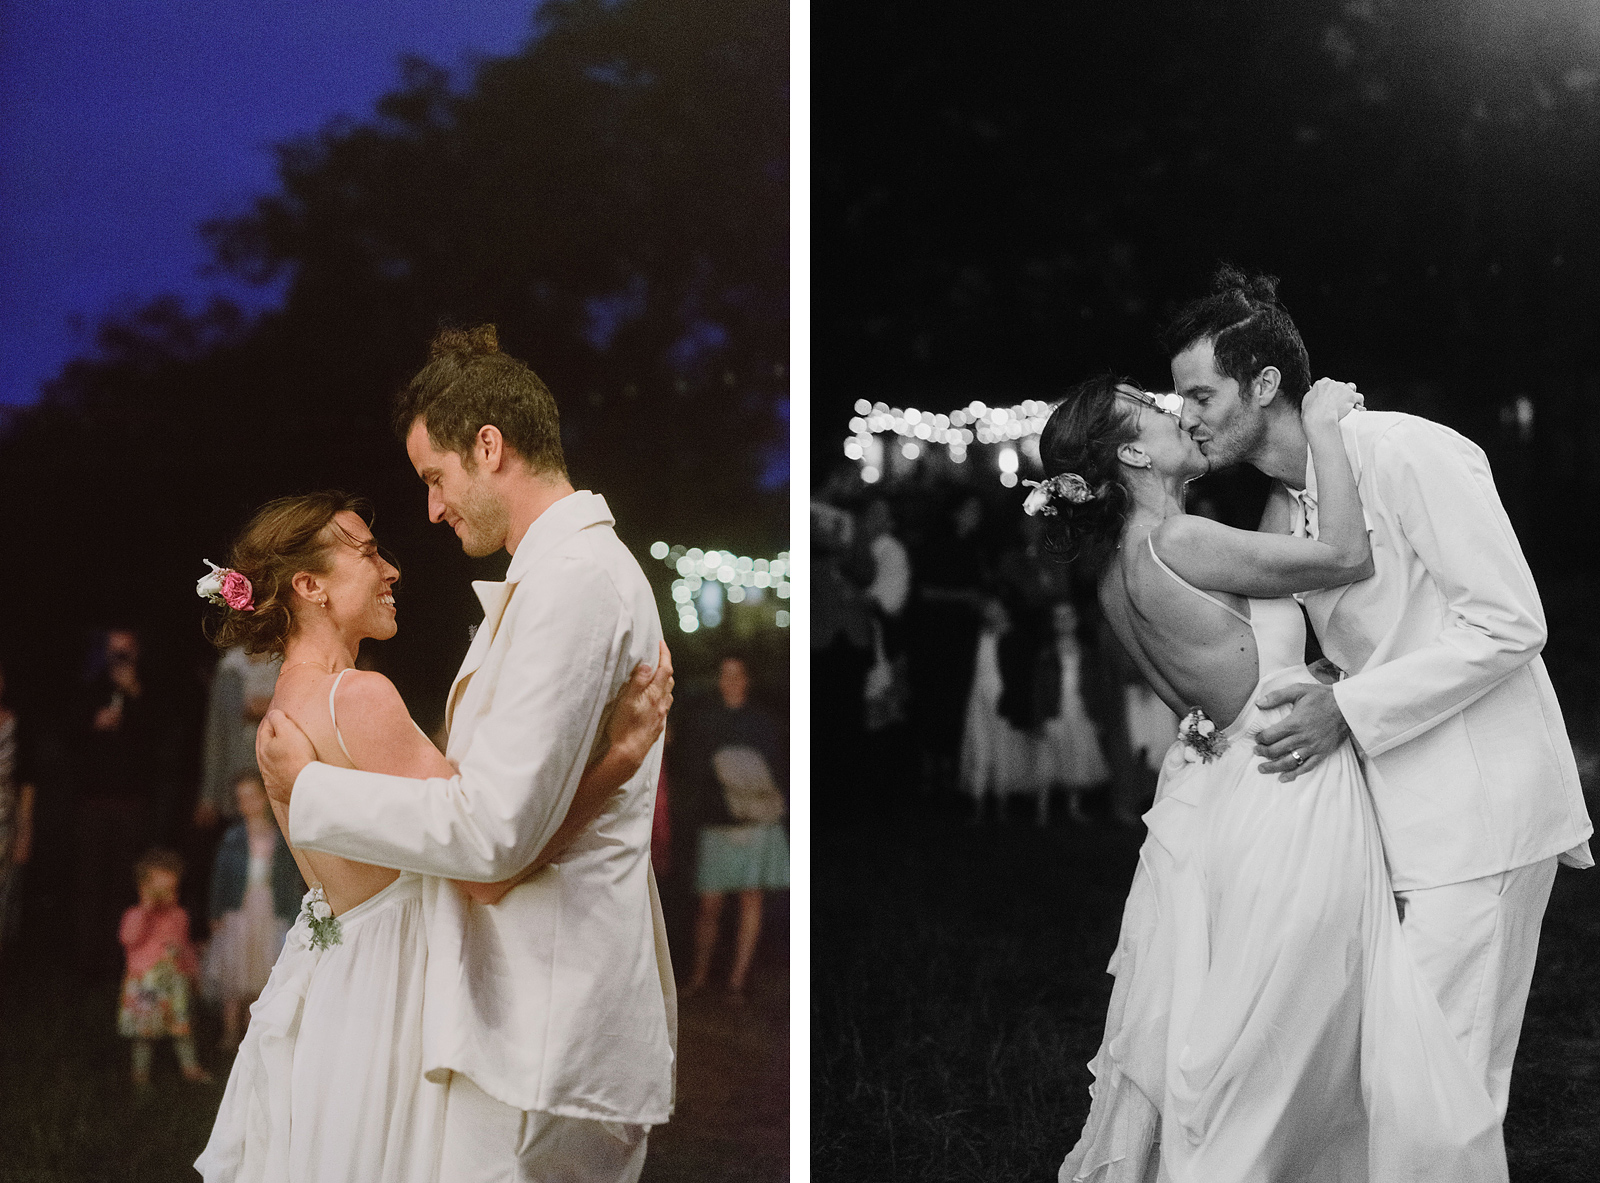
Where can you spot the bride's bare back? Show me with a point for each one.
(380, 737)
(1191, 651)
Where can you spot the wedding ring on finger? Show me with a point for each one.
(1297, 757)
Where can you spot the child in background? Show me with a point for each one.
(255, 895)
(161, 966)
(1069, 752)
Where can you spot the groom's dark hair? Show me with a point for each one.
(467, 384)
(1247, 327)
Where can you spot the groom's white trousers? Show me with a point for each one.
(1475, 944)
(487, 1141)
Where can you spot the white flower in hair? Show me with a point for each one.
(210, 586)
(1068, 486)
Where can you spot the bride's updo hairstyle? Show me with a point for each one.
(1082, 436)
(286, 536)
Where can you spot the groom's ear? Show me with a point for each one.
(489, 448)
(1266, 385)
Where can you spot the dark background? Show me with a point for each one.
(614, 197)
(1009, 198)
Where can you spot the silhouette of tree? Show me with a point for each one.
(614, 198)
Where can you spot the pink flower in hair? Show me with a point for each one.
(237, 592)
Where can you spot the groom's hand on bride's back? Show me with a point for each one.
(282, 751)
(1313, 731)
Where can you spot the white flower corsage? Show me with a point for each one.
(1068, 486)
(319, 918)
(1202, 742)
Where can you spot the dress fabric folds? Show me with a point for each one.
(328, 1085)
(1267, 1024)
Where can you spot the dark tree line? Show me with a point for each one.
(614, 197)
(1011, 198)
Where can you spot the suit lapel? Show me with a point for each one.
(494, 597)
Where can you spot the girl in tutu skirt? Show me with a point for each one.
(255, 895)
(161, 968)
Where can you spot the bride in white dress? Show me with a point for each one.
(1266, 1024)
(328, 1082)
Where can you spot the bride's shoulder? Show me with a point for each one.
(367, 692)
(1182, 533)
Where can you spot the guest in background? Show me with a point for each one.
(887, 688)
(118, 752)
(16, 815)
(891, 580)
(160, 971)
(255, 896)
(737, 771)
(241, 691)
(841, 652)
(1069, 754)
(996, 758)
(953, 586)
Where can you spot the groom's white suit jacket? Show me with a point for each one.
(1466, 755)
(559, 998)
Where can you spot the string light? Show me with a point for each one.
(710, 579)
(1013, 428)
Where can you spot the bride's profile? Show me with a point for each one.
(328, 1083)
(1266, 1023)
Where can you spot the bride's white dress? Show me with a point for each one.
(327, 1086)
(1267, 1024)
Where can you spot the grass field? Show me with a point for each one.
(958, 991)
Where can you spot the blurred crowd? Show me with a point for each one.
(132, 812)
(955, 655)
(133, 821)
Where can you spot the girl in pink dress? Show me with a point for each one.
(161, 969)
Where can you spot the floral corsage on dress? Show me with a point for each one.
(319, 918)
(1202, 742)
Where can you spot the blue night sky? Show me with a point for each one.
(126, 123)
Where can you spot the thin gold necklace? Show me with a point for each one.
(318, 664)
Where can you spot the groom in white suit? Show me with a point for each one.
(550, 1016)
(1439, 679)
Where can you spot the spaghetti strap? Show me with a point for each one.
(334, 719)
(1182, 582)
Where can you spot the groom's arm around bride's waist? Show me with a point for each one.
(522, 732)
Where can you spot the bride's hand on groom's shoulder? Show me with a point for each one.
(641, 710)
(1329, 401)
(282, 752)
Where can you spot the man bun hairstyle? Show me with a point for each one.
(284, 537)
(1248, 328)
(1082, 435)
(468, 384)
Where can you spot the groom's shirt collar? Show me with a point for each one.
(574, 512)
(1305, 502)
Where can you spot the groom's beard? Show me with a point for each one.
(484, 523)
(1235, 443)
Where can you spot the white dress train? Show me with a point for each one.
(1267, 1024)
